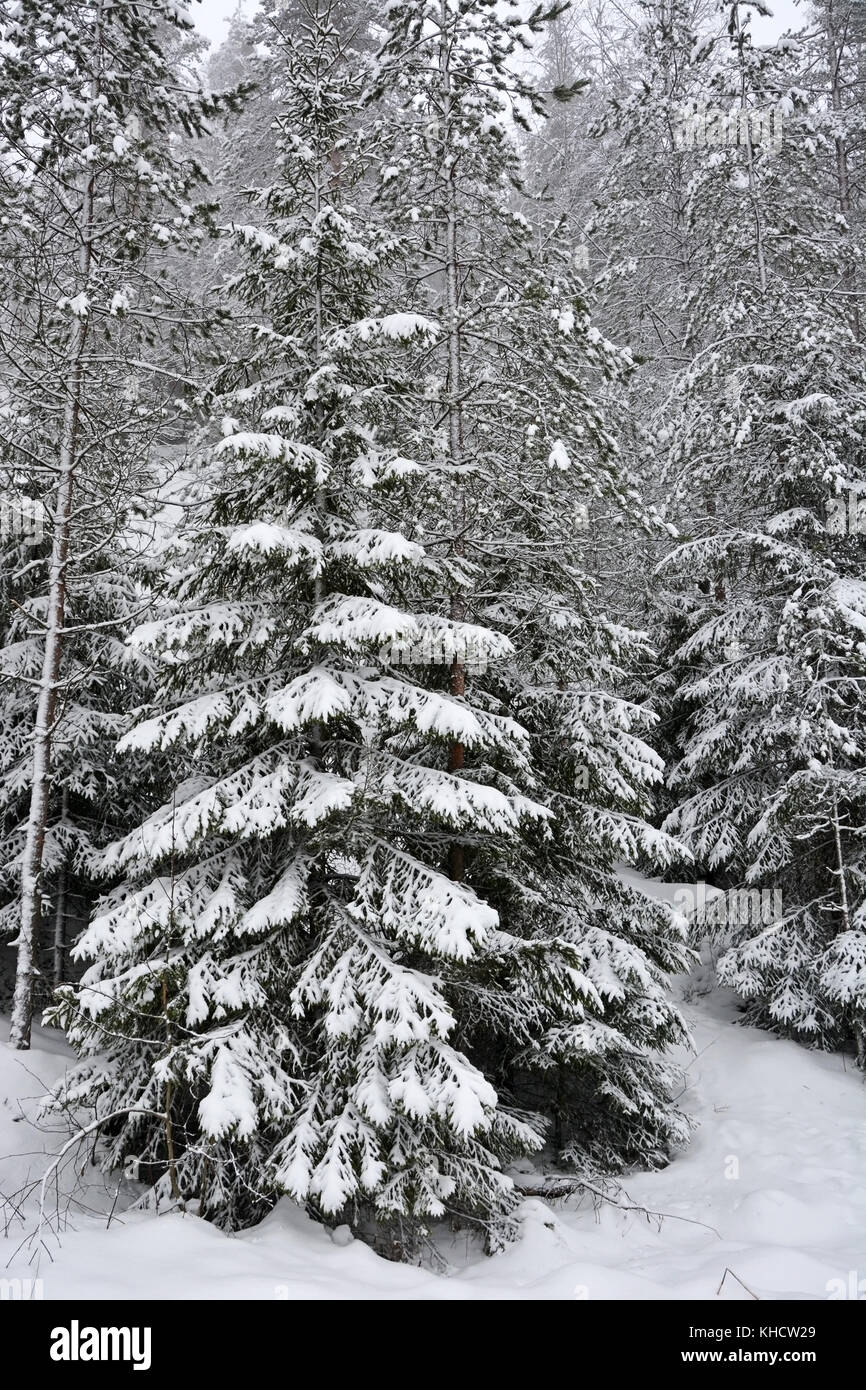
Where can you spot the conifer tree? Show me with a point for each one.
(768, 655)
(330, 969)
(275, 980)
(525, 461)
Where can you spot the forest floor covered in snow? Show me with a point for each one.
(771, 1189)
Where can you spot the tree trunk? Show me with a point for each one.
(60, 914)
(34, 846)
(29, 937)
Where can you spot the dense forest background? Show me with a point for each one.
(433, 450)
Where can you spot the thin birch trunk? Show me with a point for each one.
(29, 937)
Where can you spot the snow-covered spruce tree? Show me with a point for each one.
(770, 611)
(519, 456)
(272, 1005)
(240, 157)
(95, 193)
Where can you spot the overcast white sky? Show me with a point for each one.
(212, 17)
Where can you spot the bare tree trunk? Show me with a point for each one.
(29, 937)
(845, 912)
(34, 847)
(60, 914)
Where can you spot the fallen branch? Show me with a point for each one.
(77, 1139)
(570, 1187)
(739, 1281)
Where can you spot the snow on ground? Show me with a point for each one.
(772, 1189)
